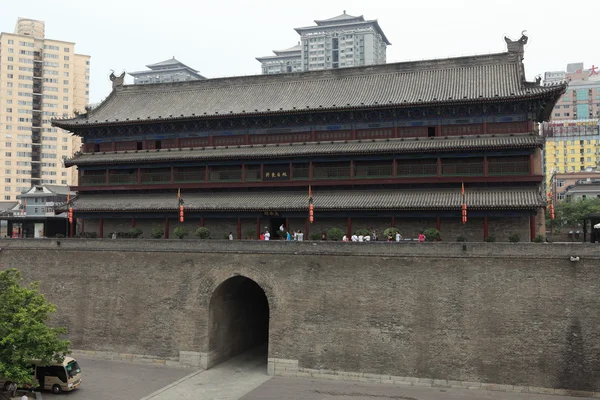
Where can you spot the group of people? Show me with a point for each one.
(359, 237)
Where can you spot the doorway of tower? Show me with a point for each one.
(238, 321)
(274, 224)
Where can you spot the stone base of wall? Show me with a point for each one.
(182, 361)
(290, 368)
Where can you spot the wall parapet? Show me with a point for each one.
(384, 249)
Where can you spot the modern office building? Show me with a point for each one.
(571, 146)
(582, 98)
(567, 185)
(40, 79)
(379, 146)
(338, 42)
(171, 70)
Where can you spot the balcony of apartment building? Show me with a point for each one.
(434, 169)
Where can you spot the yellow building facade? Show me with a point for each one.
(571, 146)
(40, 79)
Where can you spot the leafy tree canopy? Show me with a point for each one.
(570, 214)
(24, 334)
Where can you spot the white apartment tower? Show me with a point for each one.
(338, 42)
(40, 79)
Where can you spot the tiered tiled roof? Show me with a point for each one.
(425, 199)
(355, 147)
(462, 80)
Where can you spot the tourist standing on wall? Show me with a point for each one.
(421, 237)
(267, 235)
(398, 236)
(230, 236)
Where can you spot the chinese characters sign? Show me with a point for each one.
(276, 172)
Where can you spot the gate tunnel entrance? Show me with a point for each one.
(238, 319)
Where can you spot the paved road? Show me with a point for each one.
(279, 388)
(114, 380)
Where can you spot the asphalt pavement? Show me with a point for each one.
(115, 380)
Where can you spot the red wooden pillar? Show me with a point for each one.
(310, 171)
(202, 221)
(166, 227)
(485, 166)
(291, 171)
(395, 131)
(312, 135)
(438, 223)
(139, 176)
(351, 169)
(262, 172)
(353, 132)
(82, 225)
(257, 228)
(532, 228)
(438, 130)
(349, 227)
(287, 224)
(177, 143)
(172, 178)
(484, 128)
(393, 222)
(307, 228)
(439, 167)
(133, 222)
(485, 228)
(243, 172)
(206, 174)
(101, 228)
(531, 165)
(239, 228)
(529, 126)
(107, 177)
(72, 228)
(394, 168)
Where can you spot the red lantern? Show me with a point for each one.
(464, 213)
(180, 213)
(70, 214)
(311, 209)
(551, 211)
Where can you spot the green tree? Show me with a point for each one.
(24, 333)
(570, 214)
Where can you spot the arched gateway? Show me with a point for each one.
(238, 319)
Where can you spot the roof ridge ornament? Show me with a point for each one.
(117, 81)
(516, 46)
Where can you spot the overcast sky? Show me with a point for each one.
(223, 37)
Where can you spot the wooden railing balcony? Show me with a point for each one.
(363, 172)
(320, 173)
(408, 170)
(157, 177)
(121, 179)
(225, 176)
(300, 174)
(508, 168)
(92, 180)
(462, 169)
(189, 176)
(252, 175)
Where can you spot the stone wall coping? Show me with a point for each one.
(386, 249)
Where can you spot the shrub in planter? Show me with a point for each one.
(432, 235)
(490, 239)
(315, 236)
(514, 238)
(335, 234)
(393, 231)
(135, 232)
(363, 232)
(461, 239)
(180, 232)
(203, 233)
(157, 233)
(539, 239)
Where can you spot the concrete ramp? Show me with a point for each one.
(227, 381)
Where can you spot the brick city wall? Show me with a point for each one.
(522, 315)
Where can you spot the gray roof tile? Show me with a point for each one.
(494, 77)
(379, 147)
(427, 199)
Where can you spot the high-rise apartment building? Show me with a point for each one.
(40, 79)
(338, 42)
(582, 98)
(571, 146)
